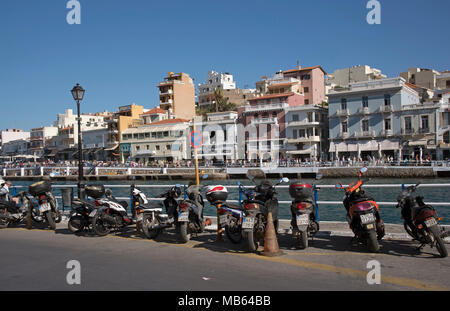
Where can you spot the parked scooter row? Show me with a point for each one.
(40, 200)
(102, 213)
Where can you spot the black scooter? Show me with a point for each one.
(421, 220)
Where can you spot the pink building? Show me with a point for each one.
(312, 81)
(266, 112)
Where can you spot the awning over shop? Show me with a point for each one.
(307, 151)
(369, 145)
(145, 153)
(112, 148)
(421, 142)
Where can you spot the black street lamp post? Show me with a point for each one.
(78, 93)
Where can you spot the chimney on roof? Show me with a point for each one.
(298, 64)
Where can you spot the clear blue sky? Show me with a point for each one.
(122, 49)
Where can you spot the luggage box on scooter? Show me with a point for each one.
(95, 191)
(40, 187)
(301, 192)
(216, 194)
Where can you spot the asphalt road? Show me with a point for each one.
(36, 260)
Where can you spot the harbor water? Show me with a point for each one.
(390, 214)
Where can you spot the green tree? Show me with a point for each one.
(220, 104)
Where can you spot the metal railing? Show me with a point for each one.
(242, 187)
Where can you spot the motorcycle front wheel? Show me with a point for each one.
(440, 246)
(99, 226)
(147, 222)
(4, 222)
(75, 224)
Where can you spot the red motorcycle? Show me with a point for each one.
(362, 214)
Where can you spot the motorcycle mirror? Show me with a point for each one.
(363, 170)
(319, 176)
(338, 186)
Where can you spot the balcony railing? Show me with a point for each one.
(264, 120)
(266, 107)
(387, 133)
(344, 135)
(342, 112)
(315, 139)
(168, 102)
(386, 108)
(364, 110)
(303, 123)
(408, 131)
(365, 134)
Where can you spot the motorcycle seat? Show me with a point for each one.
(241, 208)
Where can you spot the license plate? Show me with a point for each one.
(183, 216)
(302, 220)
(248, 222)
(367, 219)
(140, 217)
(223, 219)
(44, 207)
(430, 222)
(92, 214)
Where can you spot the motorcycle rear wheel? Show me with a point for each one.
(234, 231)
(147, 222)
(302, 239)
(183, 235)
(372, 242)
(50, 220)
(440, 246)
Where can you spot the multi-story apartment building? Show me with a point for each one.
(443, 80)
(219, 137)
(126, 117)
(177, 95)
(343, 77)
(306, 132)
(18, 147)
(13, 134)
(154, 115)
(383, 117)
(225, 82)
(39, 138)
(312, 82)
(421, 77)
(160, 140)
(96, 145)
(443, 150)
(265, 124)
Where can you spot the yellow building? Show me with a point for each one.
(127, 117)
(177, 93)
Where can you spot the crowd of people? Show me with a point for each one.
(282, 162)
